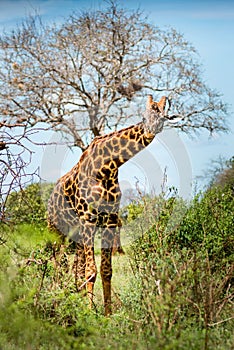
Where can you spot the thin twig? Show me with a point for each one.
(219, 322)
(84, 284)
(41, 284)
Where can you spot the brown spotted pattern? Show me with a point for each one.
(87, 198)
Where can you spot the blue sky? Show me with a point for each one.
(208, 25)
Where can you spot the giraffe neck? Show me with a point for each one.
(107, 153)
(128, 142)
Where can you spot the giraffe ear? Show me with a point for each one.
(162, 103)
(149, 101)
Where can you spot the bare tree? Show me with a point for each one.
(91, 72)
(15, 156)
(219, 172)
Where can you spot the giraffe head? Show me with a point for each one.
(154, 115)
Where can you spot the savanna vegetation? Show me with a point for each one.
(173, 289)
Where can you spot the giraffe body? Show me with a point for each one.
(87, 198)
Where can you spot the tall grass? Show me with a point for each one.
(172, 290)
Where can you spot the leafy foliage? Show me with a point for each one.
(210, 222)
(174, 290)
(186, 275)
(28, 205)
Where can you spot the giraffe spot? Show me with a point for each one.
(80, 177)
(82, 200)
(85, 206)
(79, 207)
(113, 165)
(115, 149)
(111, 197)
(114, 141)
(98, 163)
(106, 172)
(132, 136)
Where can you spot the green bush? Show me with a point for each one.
(209, 223)
(185, 273)
(28, 205)
(175, 288)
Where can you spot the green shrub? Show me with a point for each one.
(176, 294)
(28, 205)
(185, 273)
(209, 223)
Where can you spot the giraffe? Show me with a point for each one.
(87, 198)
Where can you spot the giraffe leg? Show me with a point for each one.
(90, 265)
(79, 266)
(106, 266)
(117, 247)
(90, 272)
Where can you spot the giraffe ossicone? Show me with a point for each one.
(86, 200)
